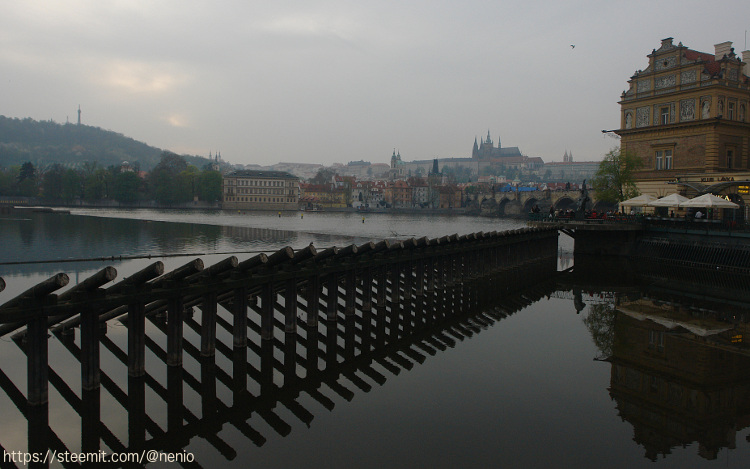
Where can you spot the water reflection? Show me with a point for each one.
(665, 338)
(678, 378)
(680, 364)
(35, 237)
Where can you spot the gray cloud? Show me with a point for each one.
(329, 81)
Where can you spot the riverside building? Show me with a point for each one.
(260, 190)
(686, 116)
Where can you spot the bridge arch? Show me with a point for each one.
(511, 207)
(529, 204)
(488, 206)
(565, 203)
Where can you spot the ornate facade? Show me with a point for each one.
(686, 116)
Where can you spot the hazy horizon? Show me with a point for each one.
(332, 82)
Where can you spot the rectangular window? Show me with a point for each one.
(665, 115)
(730, 111)
(659, 159)
(730, 154)
(667, 159)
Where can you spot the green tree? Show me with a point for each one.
(185, 189)
(165, 184)
(52, 182)
(28, 171)
(126, 186)
(8, 178)
(72, 184)
(324, 176)
(208, 185)
(614, 180)
(96, 184)
(27, 188)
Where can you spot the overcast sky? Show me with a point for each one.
(336, 81)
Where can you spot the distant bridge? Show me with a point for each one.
(520, 203)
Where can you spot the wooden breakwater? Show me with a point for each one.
(280, 290)
(274, 385)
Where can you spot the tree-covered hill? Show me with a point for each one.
(44, 143)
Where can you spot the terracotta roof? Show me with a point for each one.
(315, 187)
(695, 55)
(712, 66)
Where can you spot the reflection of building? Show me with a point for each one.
(260, 190)
(686, 117)
(678, 379)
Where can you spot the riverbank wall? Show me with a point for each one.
(724, 250)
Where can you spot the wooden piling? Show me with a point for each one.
(239, 313)
(90, 374)
(382, 286)
(36, 357)
(303, 255)
(313, 300)
(333, 296)
(266, 318)
(208, 325)
(252, 263)
(38, 291)
(136, 339)
(175, 312)
(367, 289)
(351, 291)
(290, 306)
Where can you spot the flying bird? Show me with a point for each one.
(572, 46)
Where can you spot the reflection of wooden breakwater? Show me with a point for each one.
(245, 233)
(382, 293)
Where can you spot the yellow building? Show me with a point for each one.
(260, 190)
(323, 195)
(686, 116)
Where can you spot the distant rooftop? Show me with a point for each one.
(250, 173)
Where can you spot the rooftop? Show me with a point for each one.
(250, 173)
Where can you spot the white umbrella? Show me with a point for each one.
(672, 200)
(642, 199)
(709, 200)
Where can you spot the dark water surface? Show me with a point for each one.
(594, 369)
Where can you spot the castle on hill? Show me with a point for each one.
(486, 150)
(482, 155)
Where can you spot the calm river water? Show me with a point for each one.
(597, 370)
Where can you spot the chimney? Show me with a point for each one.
(725, 48)
(746, 59)
(667, 43)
